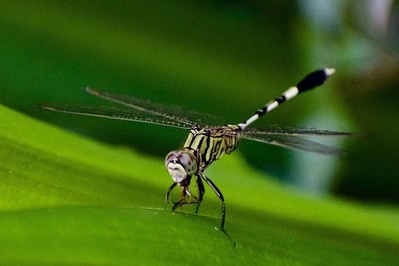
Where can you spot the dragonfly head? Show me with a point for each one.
(181, 165)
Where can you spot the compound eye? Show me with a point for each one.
(171, 155)
(188, 161)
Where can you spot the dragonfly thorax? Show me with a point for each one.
(181, 165)
(208, 144)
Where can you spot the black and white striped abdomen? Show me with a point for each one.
(211, 143)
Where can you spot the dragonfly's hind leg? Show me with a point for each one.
(219, 194)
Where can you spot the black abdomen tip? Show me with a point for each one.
(314, 79)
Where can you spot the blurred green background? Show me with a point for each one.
(226, 58)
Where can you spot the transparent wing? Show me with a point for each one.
(171, 112)
(134, 109)
(118, 114)
(294, 142)
(290, 137)
(290, 131)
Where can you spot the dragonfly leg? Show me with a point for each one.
(219, 194)
(192, 199)
(168, 193)
(201, 192)
(181, 201)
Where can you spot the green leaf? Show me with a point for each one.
(65, 199)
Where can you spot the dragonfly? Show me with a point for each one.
(206, 143)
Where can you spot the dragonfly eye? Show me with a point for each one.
(180, 165)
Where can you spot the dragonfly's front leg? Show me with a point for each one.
(182, 200)
(198, 179)
(192, 199)
(201, 192)
(168, 193)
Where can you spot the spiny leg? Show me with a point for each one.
(220, 196)
(168, 193)
(198, 179)
(184, 192)
(181, 201)
(201, 192)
